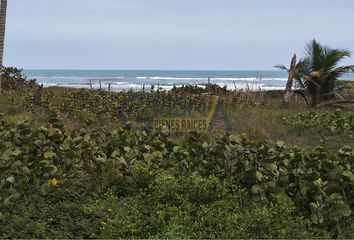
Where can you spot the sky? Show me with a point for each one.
(171, 34)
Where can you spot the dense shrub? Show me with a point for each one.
(336, 122)
(61, 215)
(13, 79)
(193, 89)
(194, 207)
(220, 187)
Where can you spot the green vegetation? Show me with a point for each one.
(13, 79)
(153, 186)
(334, 122)
(86, 164)
(317, 73)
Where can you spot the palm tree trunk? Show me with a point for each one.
(3, 10)
(288, 90)
(2, 29)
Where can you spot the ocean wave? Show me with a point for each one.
(249, 79)
(213, 78)
(171, 78)
(138, 87)
(72, 77)
(197, 79)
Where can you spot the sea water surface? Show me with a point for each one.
(124, 80)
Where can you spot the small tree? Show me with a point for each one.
(317, 73)
(13, 79)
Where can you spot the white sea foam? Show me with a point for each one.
(249, 79)
(71, 77)
(138, 87)
(123, 81)
(213, 79)
(171, 78)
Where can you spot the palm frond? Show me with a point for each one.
(282, 67)
(344, 69)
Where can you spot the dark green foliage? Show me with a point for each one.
(218, 187)
(36, 216)
(336, 122)
(209, 88)
(194, 207)
(139, 108)
(318, 72)
(96, 180)
(124, 106)
(13, 79)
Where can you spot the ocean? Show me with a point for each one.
(124, 80)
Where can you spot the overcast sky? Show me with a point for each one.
(171, 34)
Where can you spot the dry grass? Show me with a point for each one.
(258, 114)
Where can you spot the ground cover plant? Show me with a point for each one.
(77, 164)
(13, 79)
(315, 185)
(335, 122)
(258, 116)
(87, 164)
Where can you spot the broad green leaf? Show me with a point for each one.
(280, 144)
(335, 197)
(8, 153)
(16, 152)
(256, 189)
(26, 170)
(313, 207)
(349, 175)
(147, 157)
(11, 180)
(115, 154)
(15, 196)
(157, 154)
(176, 149)
(281, 197)
(101, 159)
(346, 211)
(49, 155)
(318, 183)
(44, 162)
(127, 149)
(53, 170)
(259, 176)
(316, 218)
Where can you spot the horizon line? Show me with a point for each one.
(103, 69)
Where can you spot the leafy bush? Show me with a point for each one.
(194, 89)
(193, 207)
(334, 122)
(61, 215)
(163, 188)
(13, 79)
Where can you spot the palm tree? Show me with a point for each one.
(2, 29)
(316, 74)
(3, 10)
(288, 90)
